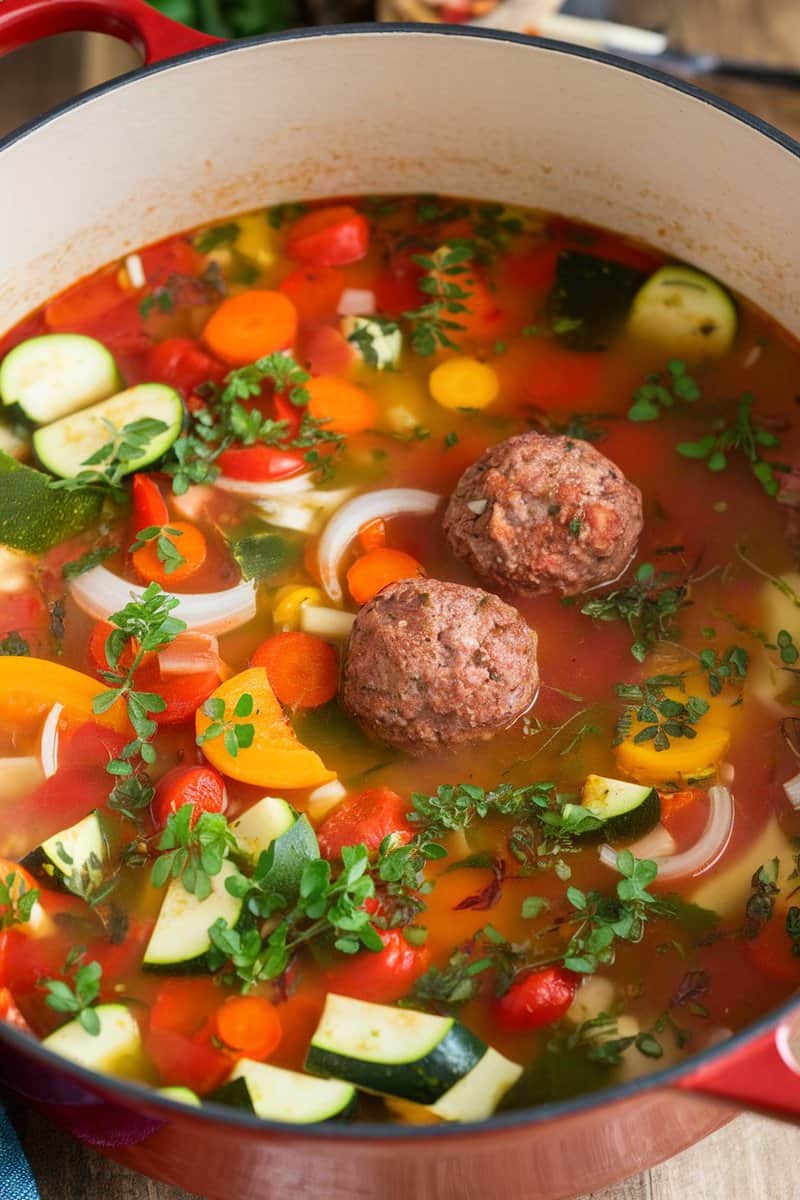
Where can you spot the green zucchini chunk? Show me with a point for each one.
(51, 376)
(685, 313)
(180, 941)
(277, 1094)
(34, 517)
(115, 1050)
(392, 1051)
(65, 446)
(273, 827)
(590, 298)
(628, 810)
(74, 859)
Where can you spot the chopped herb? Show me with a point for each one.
(761, 902)
(450, 439)
(284, 214)
(364, 337)
(76, 993)
(744, 435)
(86, 562)
(13, 645)
(730, 667)
(193, 853)
(445, 989)
(236, 735)
(432, 323)
(458, 806)
(661, 717)
(167, 552)
(647, 606)
(216, 236)
(16, 901)
(663, 390)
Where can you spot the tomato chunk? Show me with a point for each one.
(201, 786)
(329, 237)
(537, 999)
(381, 976)
(184, 365)
(180, 1037)
(260, 462)
(368, 819)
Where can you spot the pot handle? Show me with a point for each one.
(763, 1075)
(153, 35)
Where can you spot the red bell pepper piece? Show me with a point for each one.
(149, 506)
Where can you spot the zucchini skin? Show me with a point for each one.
(423, 1081)
(595, 292)
(236, 1094)
(33, 516)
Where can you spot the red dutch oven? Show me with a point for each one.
(205, 129)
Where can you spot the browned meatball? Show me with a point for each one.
(431, 664)
(544, 514)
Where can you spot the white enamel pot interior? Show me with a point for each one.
(401, 110)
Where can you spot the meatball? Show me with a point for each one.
(429, 665)
(543, 514)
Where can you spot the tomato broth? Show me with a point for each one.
(599, 889)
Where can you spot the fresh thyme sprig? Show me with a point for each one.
(17, 901)
(167, 551)
(432, 324)
(661, 717)
(77, 992)
(236, 735)
(648, 606)
(193, 852)
(743, 435)
(106, 469)
(663, 390)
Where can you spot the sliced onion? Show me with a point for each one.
(325, 622)
(356, 302)
(700, 857)
(256, 488)
(101, 593)
(48, 741)
(792, 789)
(190, 654)
(345, 524)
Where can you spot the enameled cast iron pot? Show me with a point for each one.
(208, 129)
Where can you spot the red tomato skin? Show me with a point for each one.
(200, 786)
(367, 818)
(537, 999)
(344, 241)
(383, 976)
(149, 506)
(184, 364)
(184, 694)
(173, 256)
(260, 462)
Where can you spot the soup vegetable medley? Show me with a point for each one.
(399, 645)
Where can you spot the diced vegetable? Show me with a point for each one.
(261, 555)
(65, 445)
(202, 787)
(57, 374)
(75, 855)
(275, 1094)
(116, 1049)
(473, 1098)
(274, 757)
(386, 347)
(303, 670)
(536, 999)
(272, 823)
(249, 1027)
(368, 818)
(375, 570)
(685, 313)
(329, 237)
(33, 516)
(180, 940)
(347, 409)
(181, 1095)
(325, 622)
(590, 299)
(464, 383)
(250, 325)
(627, 809)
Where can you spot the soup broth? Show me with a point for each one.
(410, 896)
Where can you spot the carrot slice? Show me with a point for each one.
(249, 1026)
(345, 407)
(249, 325)
(189, 542)
(378, 568)
(302, 669)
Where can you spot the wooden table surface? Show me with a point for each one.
(752, 1159)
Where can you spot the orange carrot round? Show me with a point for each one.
(303, 670)
(378, 568)
(249, 1026)
(249, 325)
(345, 407)
(188, 541)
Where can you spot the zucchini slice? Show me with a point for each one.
(78, 854)
(628, 809)
(180, 941)
(35, 517)
(392, 1051)
(272, 825)
(65, 446)
(181, 1095)
(115, 1050)
(590, 298)
(473, 1098)
(685, 313)
(57, 374)
(276, 1094)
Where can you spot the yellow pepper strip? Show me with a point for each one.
(30, 686)
(275, 758)
(464, 383)
(288, 602)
